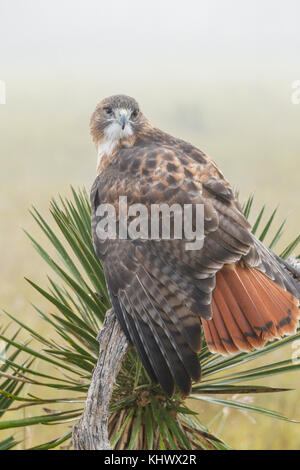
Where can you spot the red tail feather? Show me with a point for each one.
(248, 310)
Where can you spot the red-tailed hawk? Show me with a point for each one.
(236, 288)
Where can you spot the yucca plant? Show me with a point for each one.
(142, 417)
(11, 383)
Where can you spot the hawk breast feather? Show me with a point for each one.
(161, 293)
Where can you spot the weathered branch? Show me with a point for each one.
(91, 432)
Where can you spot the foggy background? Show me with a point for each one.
(216, 73)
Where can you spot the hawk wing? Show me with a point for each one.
(161, 292)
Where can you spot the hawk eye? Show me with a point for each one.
(134, 113)
(108, 110)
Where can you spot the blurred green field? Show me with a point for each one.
(249, 128)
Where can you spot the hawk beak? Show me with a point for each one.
(123, 116)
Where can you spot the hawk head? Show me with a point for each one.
(116, 121)
(116, 117)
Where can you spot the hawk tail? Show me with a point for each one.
(249, 309)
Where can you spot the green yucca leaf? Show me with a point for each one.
(157, 415)
(54, 443)
(36, 354)
(194, 423)
(81, 246)
(220, 388)
(184, 410)
(247, 207)
(32, 401)
(247, 210)
(272, 369)
(162, 445)
(258, 220)
(175, 429)
(60, 417)
(149, 427)
(216, 363)
(57, 245)
(135, 429)
(10, 388)
(8, 443)
(67, 312)
(89, 263)
(26, 327)
(75, 303)
(116, 438)
(289, 250)
(277, 235)
(30, 371)
(242, 406)
(267, 226)
(81, 334)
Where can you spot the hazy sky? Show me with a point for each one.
(226, 37)
(218, 73)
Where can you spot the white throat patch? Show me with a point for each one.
(113, 134)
